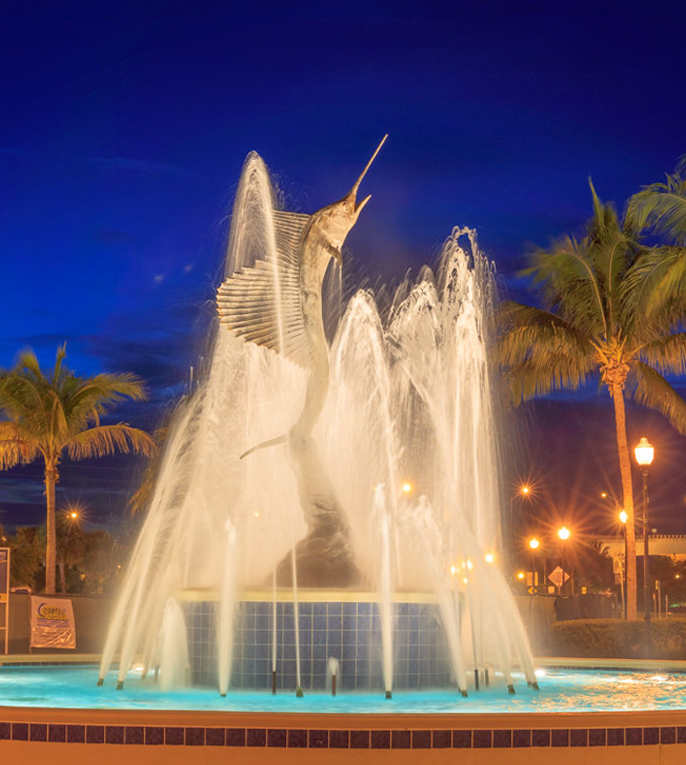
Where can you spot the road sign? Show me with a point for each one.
(558, 577)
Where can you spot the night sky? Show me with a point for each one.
(124, 127)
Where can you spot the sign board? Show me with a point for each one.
(558, 577)
(52, 623)
(5, 596)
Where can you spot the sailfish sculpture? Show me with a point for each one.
(277, 303)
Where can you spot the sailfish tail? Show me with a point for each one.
(264, 445)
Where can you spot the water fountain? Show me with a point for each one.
(329, 512)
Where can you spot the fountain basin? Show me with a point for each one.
(651, 730)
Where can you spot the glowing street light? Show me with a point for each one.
(489, 557)
(564, 533)
(623, 516)
(534, 544)
(645, 452)
(520, 575)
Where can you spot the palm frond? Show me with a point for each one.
(667, 354)
(654, 289)
(661, 208)
(29, 362)
(541, 352)
(611, 250)
(59, 361)
(536, 377)
(95, 396)
(652, 390)
(570, 287)
(533, 334)
(19, 395)
(16, 446)
(108, 439)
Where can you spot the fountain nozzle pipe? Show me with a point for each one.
(101, 680)
(299, 693)
(389, 694)
(120, 685)
(274, 682)
(333, 685)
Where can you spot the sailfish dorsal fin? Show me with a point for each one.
(262, 303)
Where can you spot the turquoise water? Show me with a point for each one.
(562, 690)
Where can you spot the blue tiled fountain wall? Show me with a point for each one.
(350, 632)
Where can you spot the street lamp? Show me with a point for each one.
(563, 533)
(645, 452)
(534, 544)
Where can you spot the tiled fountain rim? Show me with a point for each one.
(350, 731)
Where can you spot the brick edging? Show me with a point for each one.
(309, 738)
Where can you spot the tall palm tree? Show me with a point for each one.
(56, 415)
(594, 324)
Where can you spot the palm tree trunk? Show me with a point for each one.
(51, 548)
(627, 490)
(63, 577)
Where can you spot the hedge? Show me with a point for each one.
(619, 639)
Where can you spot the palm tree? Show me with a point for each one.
(57, 415)
(595, 324)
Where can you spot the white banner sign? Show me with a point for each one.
(52, 623)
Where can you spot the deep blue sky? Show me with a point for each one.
(124, 126)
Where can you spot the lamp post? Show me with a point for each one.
(645, 452)
(534, 544)
(563, 533)
(623, 517)
(517, 496)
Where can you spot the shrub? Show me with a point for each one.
(618, 639)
